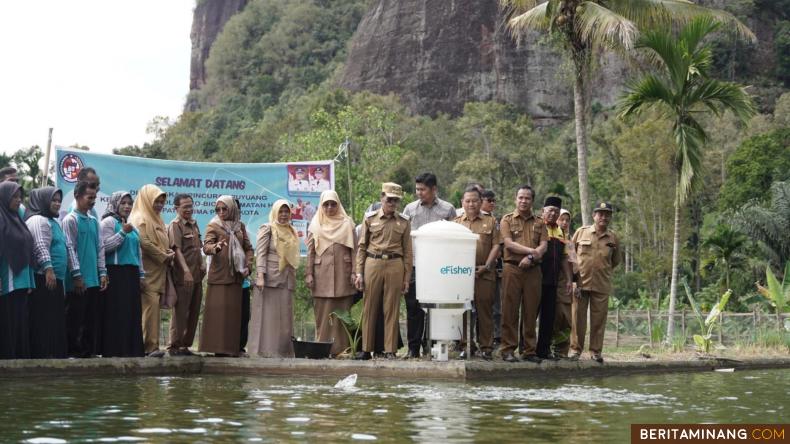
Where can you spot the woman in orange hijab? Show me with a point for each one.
(157, 257)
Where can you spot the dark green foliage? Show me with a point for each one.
(782, 51)
(758, 162)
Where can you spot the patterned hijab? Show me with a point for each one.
(114, 205)
(16, 242)
(287, 241)
(40, 202)
(236, 257)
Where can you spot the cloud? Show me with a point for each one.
(96, 71)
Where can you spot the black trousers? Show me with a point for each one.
(415, 320)
(83, 323)
(548, 305)
(245, 318)
(47, 320)
(14, 325)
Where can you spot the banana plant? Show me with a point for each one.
(706, 325)
(777, 293)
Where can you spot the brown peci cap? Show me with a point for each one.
(392, 190)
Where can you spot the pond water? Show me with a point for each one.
(210, 408)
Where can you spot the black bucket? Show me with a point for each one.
(311, 350)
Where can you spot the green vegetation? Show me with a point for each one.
(271, 97)
(681, 89)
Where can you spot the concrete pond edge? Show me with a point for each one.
(388, 369)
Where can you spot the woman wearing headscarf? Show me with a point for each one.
(52, 255)
(276, 257)
(329, 272)
(17, 279)
(231, 252)
(157, 257)
(123, 334)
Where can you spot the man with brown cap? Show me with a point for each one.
(525, 238)
(554, 264)
(598, 253)
(384, 261)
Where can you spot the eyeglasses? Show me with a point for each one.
(221, 210)
(393, 199)
(329, 204)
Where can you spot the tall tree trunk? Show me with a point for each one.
(673, 284)
(580, 116)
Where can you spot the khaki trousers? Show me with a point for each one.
(563, 319)
(150, 303)
(521, 290)
(184, 317)
(485, 291)
(383, 285)
(599, 307)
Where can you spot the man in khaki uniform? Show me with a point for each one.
(184, 236)
(526, 239)
(485, 226)
(384, 261)
(598, 253)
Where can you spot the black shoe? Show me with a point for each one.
(532, 358)
(389, 355)
(487, 356)
(156, 354)
(185, 352)
(412, 354)
(549, 357)
(362, 356)
(509, 357)
(597, 358)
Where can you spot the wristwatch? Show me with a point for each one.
(488, 267)
(531, 258)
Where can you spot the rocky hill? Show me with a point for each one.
(438, 55)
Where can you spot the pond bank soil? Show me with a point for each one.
(395, 369)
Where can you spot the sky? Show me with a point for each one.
(97, 71)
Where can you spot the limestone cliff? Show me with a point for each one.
(437, 55)
(208, 20)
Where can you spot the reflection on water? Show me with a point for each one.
(262, 409)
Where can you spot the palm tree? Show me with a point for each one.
(683, 90)
(769, 223)
(725, 245)
(585, 25)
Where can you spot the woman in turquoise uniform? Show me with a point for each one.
(122, 332)
(52, 254)
(17, 279)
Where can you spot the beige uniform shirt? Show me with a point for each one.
(381, 234)
(529, 232)
(485, 227)
(597, 256)
(185, 236)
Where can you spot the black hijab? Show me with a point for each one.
(40, 202)
(16, 242)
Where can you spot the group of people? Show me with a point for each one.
(82, 285)
(529, 267)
